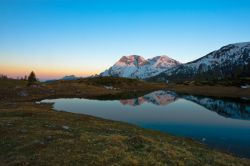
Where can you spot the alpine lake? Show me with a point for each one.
(222, 124)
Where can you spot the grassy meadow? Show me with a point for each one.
(35, 134)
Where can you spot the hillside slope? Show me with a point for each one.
(229, 62)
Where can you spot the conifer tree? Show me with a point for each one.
(32, 78)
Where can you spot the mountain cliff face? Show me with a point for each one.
(135, 66)
(229, 62)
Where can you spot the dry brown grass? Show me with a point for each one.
(34, 134)
(17, 90)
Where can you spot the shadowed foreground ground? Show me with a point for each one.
(34, 134)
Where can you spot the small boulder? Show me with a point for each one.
(65, 127)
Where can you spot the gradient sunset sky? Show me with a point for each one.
(57, 38)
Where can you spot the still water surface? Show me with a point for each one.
(219, 123)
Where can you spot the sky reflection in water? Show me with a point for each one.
(222, 124)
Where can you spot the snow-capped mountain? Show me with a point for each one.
(135, 66)
(231, 61)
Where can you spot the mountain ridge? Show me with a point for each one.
(229, 62)
(135, 66)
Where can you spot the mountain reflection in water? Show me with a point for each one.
(226, 108)
(219, 123)
(157, 98)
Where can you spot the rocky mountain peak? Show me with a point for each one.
(131, 60)
(135, 66)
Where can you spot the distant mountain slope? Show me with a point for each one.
(229, 62)
(65, 78)
(135, 66)
(70, 77)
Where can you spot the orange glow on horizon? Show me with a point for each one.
(44, 73)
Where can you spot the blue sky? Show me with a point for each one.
(57, 38)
